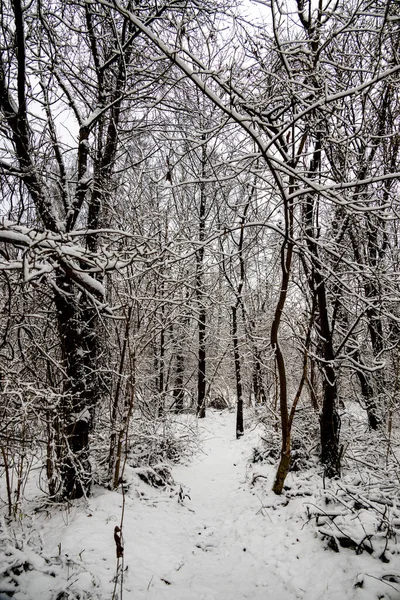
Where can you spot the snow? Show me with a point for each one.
(228, 537)
(89, 283)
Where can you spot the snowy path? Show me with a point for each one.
(219, 545)
(223, 556)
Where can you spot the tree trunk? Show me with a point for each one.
(200, 293)
(370, 404)
(178, 391)
(161, 373)
(258, 385)
(329, 419)
(238, 376)
(201, 366)
(283, 467)
(286, 262)
(78, 345)
(113, 452)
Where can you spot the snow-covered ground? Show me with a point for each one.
(230, 538)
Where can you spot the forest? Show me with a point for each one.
(199, 232)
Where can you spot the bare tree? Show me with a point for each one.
(67, 190)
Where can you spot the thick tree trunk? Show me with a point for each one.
(330, 425)
(79, 358)
(370, 404)
(329, 420)
(283, 467)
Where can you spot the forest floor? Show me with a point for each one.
(225, 537)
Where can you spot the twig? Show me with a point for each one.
(149, 584)
(396, 589)
(256, 476)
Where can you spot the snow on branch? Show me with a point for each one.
(43, 251)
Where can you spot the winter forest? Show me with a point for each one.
(200, 299)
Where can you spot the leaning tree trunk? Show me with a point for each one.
(284, 462)
(286, 263)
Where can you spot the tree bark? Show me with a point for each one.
(286, 263)
(200, 293)
(80, 393)
(178, 391)
(238, 375)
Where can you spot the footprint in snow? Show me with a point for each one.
(205, 547)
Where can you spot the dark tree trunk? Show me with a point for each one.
(286, 263)
(283, 467)
(370, 404)
(329, 419)
(330, 425)
(258, 385)
(179, 392)
(257, 378)
(238, 375)
(79, 359)
(200, 293)
(161, 364)
(201, 367)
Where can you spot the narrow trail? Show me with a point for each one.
(228, 562)
(219, 474)
(226, 543)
